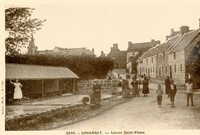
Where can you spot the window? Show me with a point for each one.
(165, 69)
(181, 68)
(163, 55)
(147, 60)
(162, 69)
(152, 59)
(153, 69)
(174, 55)
(174, 68)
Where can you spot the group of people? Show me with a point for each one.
(171, 90)
(142, 83)
(135, 85)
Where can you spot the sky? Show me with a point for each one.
(98, 24)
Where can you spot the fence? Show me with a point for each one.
(107, 86)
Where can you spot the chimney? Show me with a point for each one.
(93, 50)
(115, 46)
(199, 23)
(172, 31)
(184, 29)
(102, 52)
(152, 40)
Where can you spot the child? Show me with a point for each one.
(172, 93)
(159, 93)
(189, 91)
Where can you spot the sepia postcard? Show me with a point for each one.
(100, 67)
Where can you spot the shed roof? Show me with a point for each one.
(34, 72)
(184, 41)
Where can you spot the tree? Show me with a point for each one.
(20, 27)
(193, 65)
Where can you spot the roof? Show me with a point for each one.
(78, 51)
(138, 46)
(184, 41)
(70, 51)
(161, 47)
(33, 72)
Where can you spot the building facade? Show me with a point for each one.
(134, 51)
(170, 58)
(118, 57)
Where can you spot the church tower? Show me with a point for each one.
(32, 49)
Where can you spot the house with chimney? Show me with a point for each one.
(153, 63)
(171, 57)
(134, 51)
(178, 55)
(118, 57)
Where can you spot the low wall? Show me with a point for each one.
(108, 86)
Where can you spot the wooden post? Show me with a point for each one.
(42, 88)
(60, 86)
(73, 80)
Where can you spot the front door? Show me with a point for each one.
(170, 71)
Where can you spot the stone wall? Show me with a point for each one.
(108, 86)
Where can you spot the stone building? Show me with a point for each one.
(171, 57)
(178, 55)
(153, 63)
(119, 57)
(134, 51)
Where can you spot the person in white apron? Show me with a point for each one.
(17, 90)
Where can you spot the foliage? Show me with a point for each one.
(86, 67)
(20, 26)
(193, 65)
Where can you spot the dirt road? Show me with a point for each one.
(142, 113)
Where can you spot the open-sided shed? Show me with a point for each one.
(41, 81)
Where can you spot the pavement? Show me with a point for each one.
(39, 106)
(142, 113)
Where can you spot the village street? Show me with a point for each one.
(142, 113)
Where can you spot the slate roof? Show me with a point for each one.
(34, 72)
(78, 51)
(160, 48)
(139, 46)
(184, 41)
(70, 51)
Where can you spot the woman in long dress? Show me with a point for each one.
(17, 90)
(145, 90)
(96, 96)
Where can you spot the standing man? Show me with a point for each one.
(189, 91)
(172, 93)
(167, 86)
